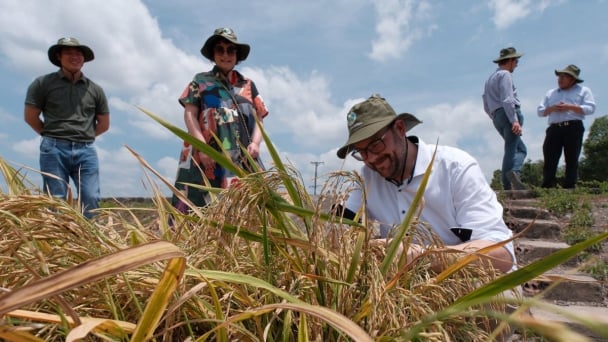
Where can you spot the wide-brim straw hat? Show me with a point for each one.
(507, 53)
(571, 70)
(369, 117)
(225, 33)
(69, 42)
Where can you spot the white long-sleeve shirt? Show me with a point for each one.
(577, 95)
(457, 196)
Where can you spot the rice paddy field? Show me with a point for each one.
(264, 261)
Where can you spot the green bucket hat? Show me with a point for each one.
(69, 42)
(369, 117)
(571, 70)
(242, 50)
(507, 53)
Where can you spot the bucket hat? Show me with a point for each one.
(69, 42)
(507, 53)
(369, 117)
(571, 70)
(226, 33)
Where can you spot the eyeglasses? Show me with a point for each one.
(374, 147)
(219, 50)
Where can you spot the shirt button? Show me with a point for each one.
(403, 211)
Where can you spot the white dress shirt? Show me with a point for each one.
(457, 196)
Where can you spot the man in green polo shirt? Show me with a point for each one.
(69, 111)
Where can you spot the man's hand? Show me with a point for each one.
(254, 149)
(516, 128)
(208, 163)
(413, 250)
(563, 107)
(500, 257)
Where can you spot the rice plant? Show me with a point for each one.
(264, 261)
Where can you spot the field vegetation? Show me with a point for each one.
(265, 261)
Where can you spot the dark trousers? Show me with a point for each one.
(566, 136)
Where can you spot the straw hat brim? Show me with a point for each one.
(241, 53)
(374, 127)
(509, 56)
(568, 72)
(54, 50)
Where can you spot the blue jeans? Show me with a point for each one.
(515, 149)
(68, 159)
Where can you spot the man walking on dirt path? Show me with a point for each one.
(500, 102)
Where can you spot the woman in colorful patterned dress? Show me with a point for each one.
(223, 102)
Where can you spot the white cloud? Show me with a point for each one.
(8, 118)
(604, 55)
(506, 12)
(466, 126)
(301, 107)
(438, 117)
(30, 149)
(130, 54)
(400, 24)
(309, 65)
(167, 167)
(137, 67)
(120, 173)
(463, 125)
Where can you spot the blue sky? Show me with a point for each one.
(311, 60)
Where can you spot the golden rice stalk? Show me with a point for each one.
(341, 323)
(8, 333)
(105, 266)
(88, 324)
(88, 272)
(42, 235)
(551, 330)
(16, 182)
(160, 298)
(176, 192)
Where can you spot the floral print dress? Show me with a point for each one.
(226, 109)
